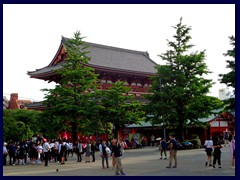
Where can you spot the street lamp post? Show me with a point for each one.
(164, 130)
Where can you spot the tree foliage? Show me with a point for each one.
(179, 91)
(20, 124)
(68, 102)
(229, 78)
(119, 107)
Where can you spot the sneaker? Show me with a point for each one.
(160, 157)
(219, 167)
(174, 166)
(168, 167)
(206, 164)
(213, 166)
(165, 158)
(123, 174)
(210, 165)
(117, 173)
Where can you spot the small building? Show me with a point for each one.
(16, 103)
(222, 124)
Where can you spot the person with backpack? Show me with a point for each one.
(172, 151)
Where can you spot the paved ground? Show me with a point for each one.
(136, 162)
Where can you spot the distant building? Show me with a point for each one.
(223, 94)
(5, 102)
(16, 103)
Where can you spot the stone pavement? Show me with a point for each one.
(136, 162)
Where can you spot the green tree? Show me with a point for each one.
(20, 124)
(179, 91)
(119, 108)
(229, 78)
(68, 102)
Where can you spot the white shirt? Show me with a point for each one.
(70, 145)
(51, 145)
(208, 144)
(5, 150)
(56, 144)
(40, 148)
(46, 147)
(79, 147)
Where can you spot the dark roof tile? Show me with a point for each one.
(111, 57)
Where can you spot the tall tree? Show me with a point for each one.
(179, 91)
(229, 78)
(119, 108)
(68, 102)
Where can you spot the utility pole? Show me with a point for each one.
(164, 130)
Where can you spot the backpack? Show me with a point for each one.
(63, 147)
(176, 145)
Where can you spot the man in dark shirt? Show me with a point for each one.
(172, 151)
(117, 154)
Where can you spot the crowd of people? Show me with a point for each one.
(58, 151)
(43, 150)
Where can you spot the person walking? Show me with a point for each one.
(152, 140)
(208, 148)
(117, 154)
(93, 149)
(113, 158)
(70, 150)
(79, 151)
(172, 152)
(103, 153)
(46, 149)
(232, 151)
(163, 148)
(217, 152)
(12, 154)
(88, 152)
(40, 153)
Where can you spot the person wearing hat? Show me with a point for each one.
(5, 153)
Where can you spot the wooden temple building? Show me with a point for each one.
(133, 68)
(111, 63)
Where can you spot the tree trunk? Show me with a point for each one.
(115, 131)
(179, 134)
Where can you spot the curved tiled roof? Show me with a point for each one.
(111, 58)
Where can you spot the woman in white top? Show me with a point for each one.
(208, 148)
(40, 153)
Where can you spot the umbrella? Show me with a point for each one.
(158, 139)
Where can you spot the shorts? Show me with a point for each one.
(209, 151)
